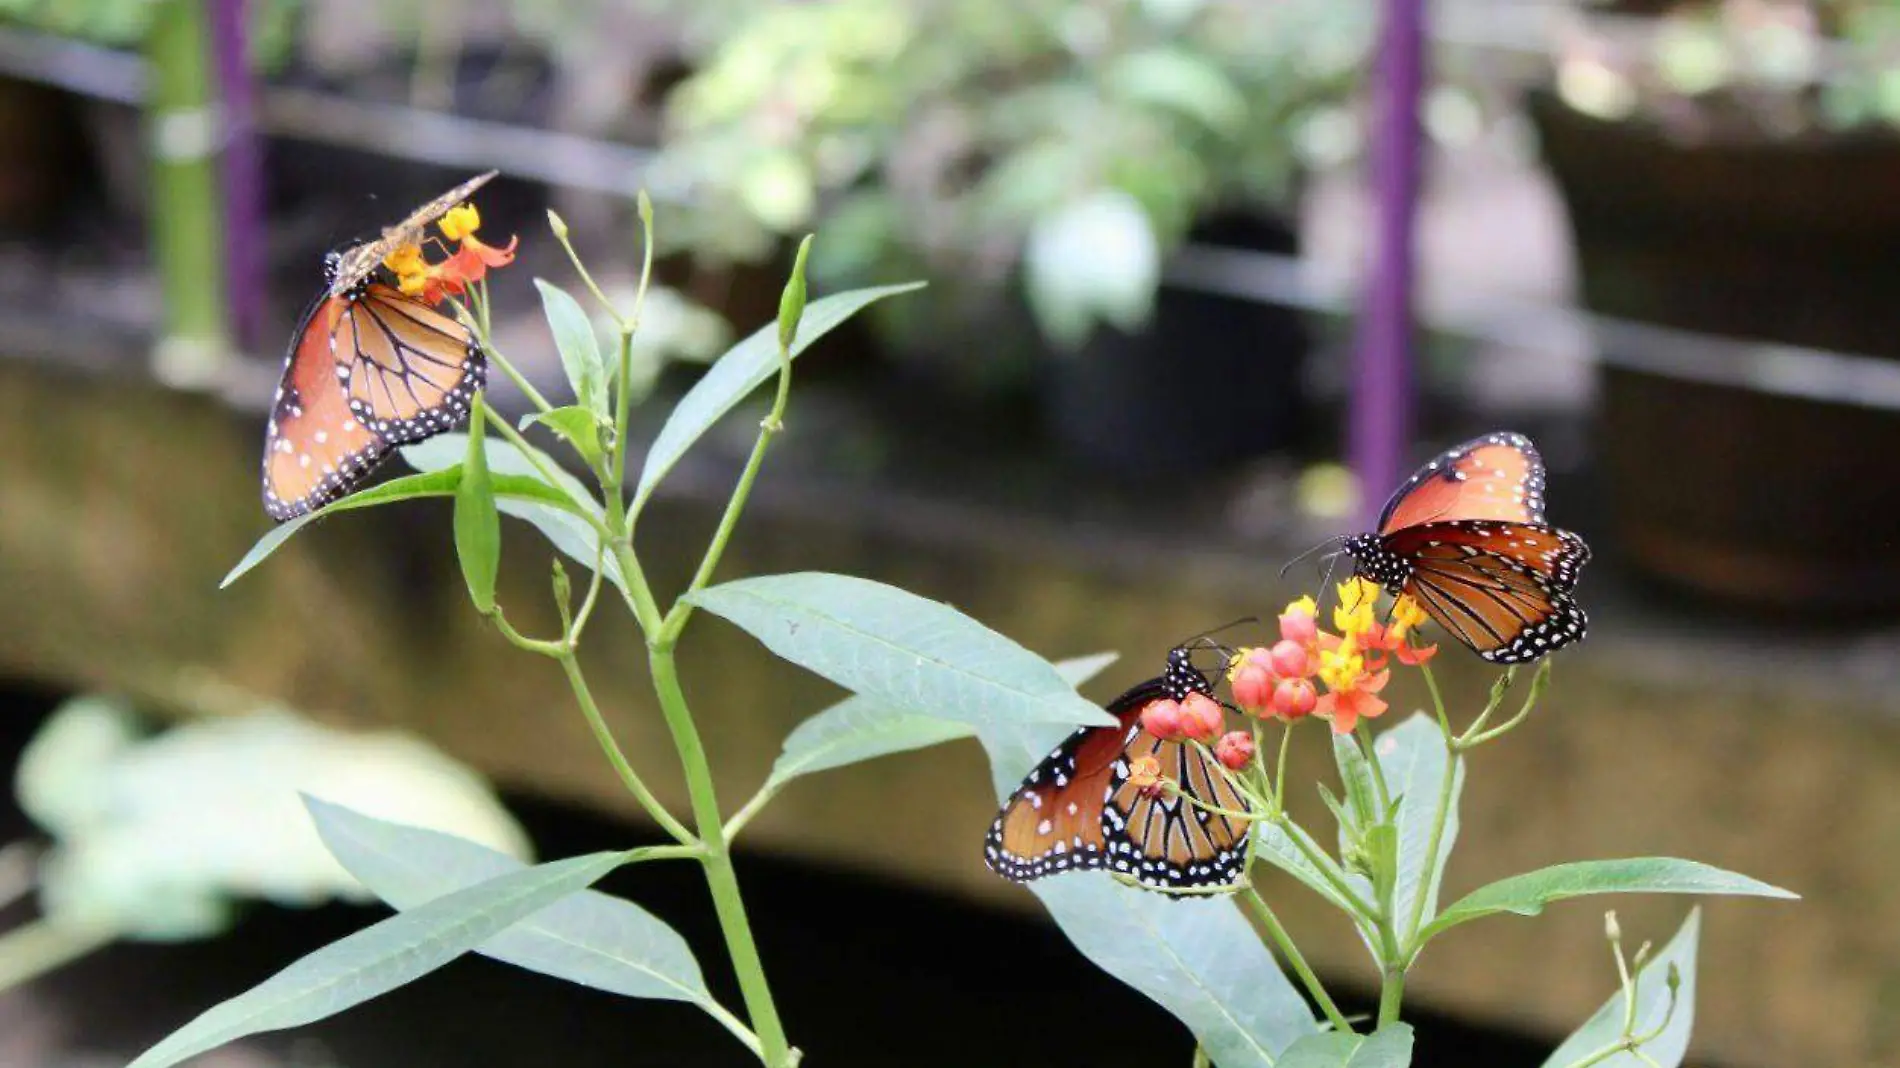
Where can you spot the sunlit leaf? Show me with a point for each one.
(742, 369)
(578, 426)
(1527, 894)
(442, 482)
(590, 938)
(858, 729)
(898, 649)
(380, 958)
(578, 344)
(1388, 1047)
(477, 524)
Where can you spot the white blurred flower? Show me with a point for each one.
(156, 837)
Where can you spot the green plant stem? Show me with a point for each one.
(1391, 994)
(1201, 1059)
(604, 735)
(1473, 737)
(33, 949)
(1363, 734)
(768, 427)
(521, 641)
(1279, 774)
(521, 382)
(717, 859)
(1329, 868)
(1408, 938)
(751, 808)
(1264, 913)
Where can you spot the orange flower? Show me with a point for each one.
(468, 264)
(1360, 700)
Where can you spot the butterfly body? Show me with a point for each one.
(1465, 538)
(346, 270)
(1079, 809)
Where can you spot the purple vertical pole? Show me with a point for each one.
(241, 168)
(1381, 404)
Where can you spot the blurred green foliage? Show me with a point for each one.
(1774, 67)
(955, 138)
(125, 23)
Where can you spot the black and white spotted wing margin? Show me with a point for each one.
(1078, 811)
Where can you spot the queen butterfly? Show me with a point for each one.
(1078, 810)
(1465, 538)
(368, 368)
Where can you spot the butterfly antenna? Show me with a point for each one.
(1207, 635)
(1288, 566)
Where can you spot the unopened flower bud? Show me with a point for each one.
(1289, 659)
(1235, 749)
(1201, 717)
(1253, 688)
(1297, 623)
(1293, 698)
(1611, 929)
(1163, 719)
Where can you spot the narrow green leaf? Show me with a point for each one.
(1355, 777)
(578, 426)
(477, 524)
(380, 958)
(590, 938)
(528, 491)
(741, 370)
(504, 457)
(1527, 894)
(568, 533)
(791, 303)
(898, 649)
(579, 346)
(857, 729)
(1277, 848)
(1666, 1050)
(1388, 1047)
(1412, 755)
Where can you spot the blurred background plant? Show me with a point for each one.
(1064, 146)
(161, 836)
(1706, 68)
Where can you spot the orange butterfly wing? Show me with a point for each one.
(1501, 588)
(366, 372)
(1498, 477)
(315, 448)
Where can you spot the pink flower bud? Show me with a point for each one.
(1234, 749)
(1293, 698)
(1290, 660)
(1201, 717)
(1253, 688)
(1163, 719)
(1299, 626)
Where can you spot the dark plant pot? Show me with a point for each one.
(1749, 496)
(1211, 381)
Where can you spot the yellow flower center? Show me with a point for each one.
(1340, 668)
(1303, 606)
(1406, 614)
(405, 260)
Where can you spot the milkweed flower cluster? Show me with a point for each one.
(467, 264)
(1338, 674)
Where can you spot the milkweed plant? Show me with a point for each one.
(921, 673)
